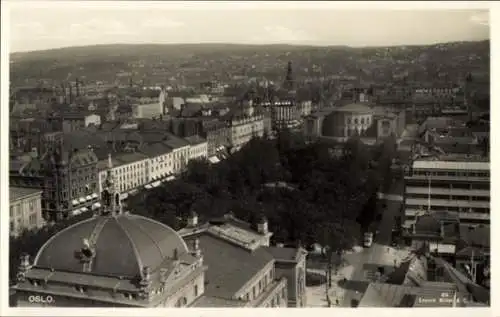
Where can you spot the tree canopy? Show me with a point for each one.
(323, 198)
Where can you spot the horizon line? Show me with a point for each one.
(250, 44)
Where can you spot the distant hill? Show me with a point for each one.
(174, 50)
(195, 63)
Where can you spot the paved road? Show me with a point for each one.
(377, 254)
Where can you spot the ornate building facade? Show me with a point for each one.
(117, 259)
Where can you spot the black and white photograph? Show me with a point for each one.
(225, 155)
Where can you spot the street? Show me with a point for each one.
(380, 254)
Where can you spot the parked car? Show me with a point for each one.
(368, 239)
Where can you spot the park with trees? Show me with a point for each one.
(329, 197)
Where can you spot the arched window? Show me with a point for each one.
(356, 121)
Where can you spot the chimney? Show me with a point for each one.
(192, 219)
(196, 247)
(77, 88)
(262, 226)
(24, 267)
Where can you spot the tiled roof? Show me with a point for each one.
(390, 295)
(205, 301)
(16, 193)
(175, 142)
(127, 158)
(230, 267)
(83, 157)
(355, 107)
(478, 236)
(155, 149)
(195, 139)
(412, 272)
(283, 254)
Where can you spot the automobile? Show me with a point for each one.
(368, 239)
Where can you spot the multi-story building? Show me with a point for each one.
(180, 153)
(73, 121)
(198, 147)
(25, 210)
(347, 121)
(130, 171)
(461, 187)
(217, 133)
(268, 276)
(159, 267)
(26, 133)
(161, 163)
(355, 119)
(147, 110)
(305, 107)
(68, 178)
(284, 114)
(244, 127)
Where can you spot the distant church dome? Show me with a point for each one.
(121, 245)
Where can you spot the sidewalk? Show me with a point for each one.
(316, 296)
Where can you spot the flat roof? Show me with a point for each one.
(450, 165)
(16, 193)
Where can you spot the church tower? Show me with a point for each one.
(110, 197)
(289, 82)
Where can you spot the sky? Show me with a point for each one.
(41, 27)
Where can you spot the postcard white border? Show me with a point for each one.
(418, 5)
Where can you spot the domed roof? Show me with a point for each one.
(123, 244)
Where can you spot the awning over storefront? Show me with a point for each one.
(213, 160)
(84, 209)
(94, 196)
(156, 184)
(96, 205)
(148, 186)
(75, 202)
(75, 212)
(123, 196)
(82, 200)
(170, 178)
(88, 198)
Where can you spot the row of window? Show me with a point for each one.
(18, 224)
(182, 302)
(356, 121)
(452, 173)
(278, 299)
(452, 209)
(449, 197)
(260, 286)
(448, 185)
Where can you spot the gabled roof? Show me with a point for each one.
(478, 236)
(16, 193)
